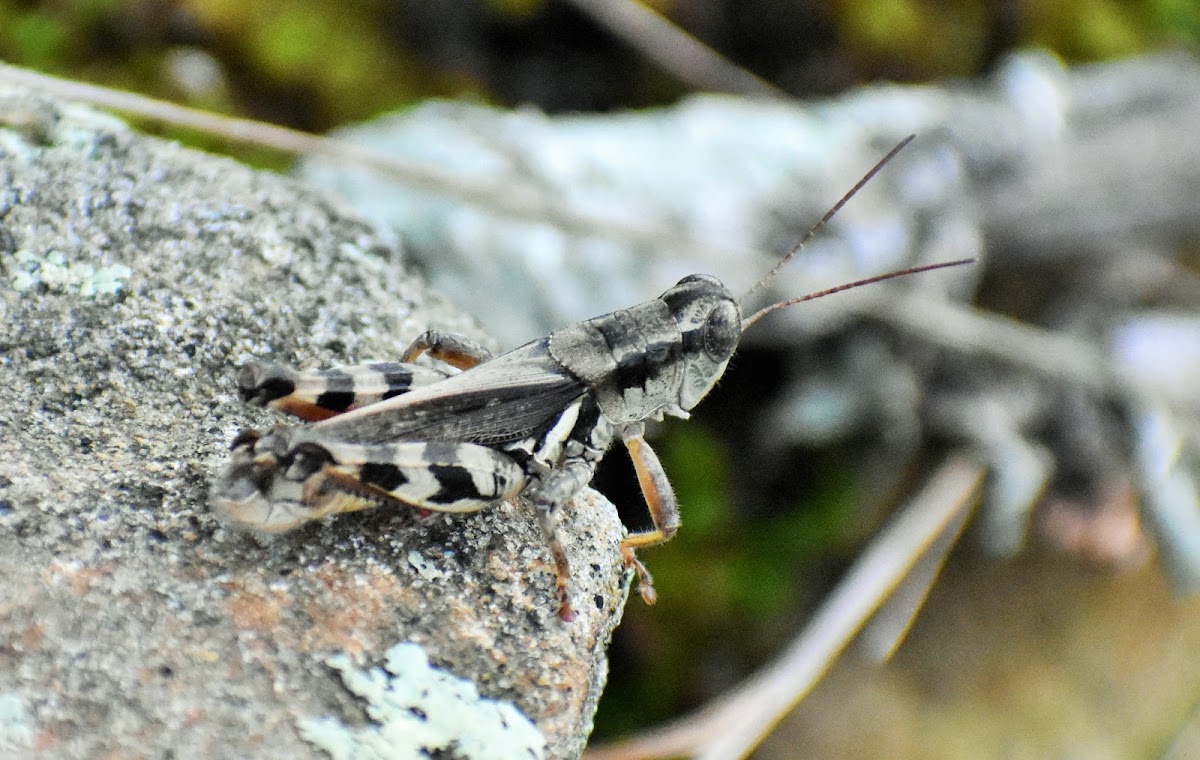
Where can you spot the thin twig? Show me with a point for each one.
(673, 49)
(518, 202)
(736, 723)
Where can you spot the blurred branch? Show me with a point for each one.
(673, 49)
(1125, 163)
(1055, 356)
(1188, 736)
(734, 724)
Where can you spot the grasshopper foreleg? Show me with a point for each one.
(660, 500)
(548, 495)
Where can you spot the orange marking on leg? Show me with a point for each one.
(303, 409)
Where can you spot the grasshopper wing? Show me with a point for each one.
(506, 399)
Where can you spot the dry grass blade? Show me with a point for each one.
(732, 726)
(673, 49)
(889, 626)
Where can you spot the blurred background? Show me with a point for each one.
(1079, 636)
(319, 65)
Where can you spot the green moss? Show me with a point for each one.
(1109, 31)
(36, 40)
(1178, 19)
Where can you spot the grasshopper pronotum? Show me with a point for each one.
(532, 423)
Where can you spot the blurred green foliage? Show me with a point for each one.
(315, 65)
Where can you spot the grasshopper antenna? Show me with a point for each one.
(812, 231)
(856, 284)
(791, 254)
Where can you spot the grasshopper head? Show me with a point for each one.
(711, 323)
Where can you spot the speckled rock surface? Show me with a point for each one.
(136, 276)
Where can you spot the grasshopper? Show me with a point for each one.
(531, 424)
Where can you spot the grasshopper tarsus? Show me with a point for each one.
(565, 612)
(530, 424)
(645, 582)
(456, 350)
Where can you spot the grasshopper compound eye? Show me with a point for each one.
(706, 324)
(722, 330)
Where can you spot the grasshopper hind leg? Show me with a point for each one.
(282, 479)
(315, 395)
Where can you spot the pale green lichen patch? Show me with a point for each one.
(16, 733)
(417, 711)
(52, 271)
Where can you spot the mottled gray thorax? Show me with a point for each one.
(629, 359)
